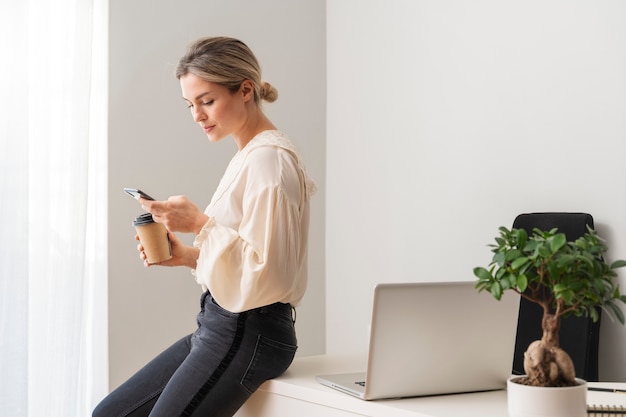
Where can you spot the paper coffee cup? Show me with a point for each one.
(153, 237)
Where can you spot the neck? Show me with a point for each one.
(255, 124)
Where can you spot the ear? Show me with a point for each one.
(247, 90)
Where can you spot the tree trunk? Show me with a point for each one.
(545, 363)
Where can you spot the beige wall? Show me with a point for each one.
(154, 145)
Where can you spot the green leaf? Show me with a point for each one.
(522, 237)
(531, 246)
(482, 274)
(513, 254)
(554, 270)
(557, 242)
(566, 260)
(543, 251)
(505, 284)
(519, 262)
(500, 273)
(617, 312)
(618, 264)
(499, 258)
(581, 243)
(522, 282)
(496, 291)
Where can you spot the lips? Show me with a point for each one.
(208, 129)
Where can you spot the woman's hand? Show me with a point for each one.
(181, 254)
(178, 214)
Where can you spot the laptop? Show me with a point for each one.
(434, 338)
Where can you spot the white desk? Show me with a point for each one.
(298, 394)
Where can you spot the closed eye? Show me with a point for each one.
(204, 103)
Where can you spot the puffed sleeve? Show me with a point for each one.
(257, 261)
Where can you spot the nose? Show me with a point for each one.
(198, 114)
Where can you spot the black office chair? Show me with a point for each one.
(578, 336)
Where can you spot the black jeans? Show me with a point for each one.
(213, 371)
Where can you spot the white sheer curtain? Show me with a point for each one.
(53, 216)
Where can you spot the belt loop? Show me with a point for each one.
(293, 314)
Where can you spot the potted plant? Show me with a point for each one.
(564, 278)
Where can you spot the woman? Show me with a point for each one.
(249, 254)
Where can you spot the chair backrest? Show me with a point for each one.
(579, 336)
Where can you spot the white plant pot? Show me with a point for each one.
(527, 401)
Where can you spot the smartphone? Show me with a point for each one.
(137, 194)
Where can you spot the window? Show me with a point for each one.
(53, 207)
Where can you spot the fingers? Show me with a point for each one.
(176, 202)
(177, 213)
(158, 209)
(142, 253)
(145, 204)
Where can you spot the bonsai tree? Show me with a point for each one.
(564, 278)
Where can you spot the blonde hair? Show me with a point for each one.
(228, 62)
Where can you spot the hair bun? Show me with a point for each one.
(268, 92)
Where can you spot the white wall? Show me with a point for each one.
(448, 118)
(422, 98)
(155, 146)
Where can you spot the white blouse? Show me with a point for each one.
(254, 247)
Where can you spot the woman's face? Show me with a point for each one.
(218, 111)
